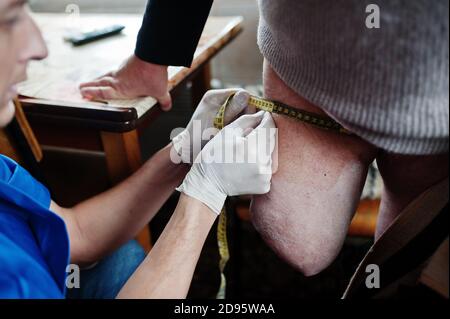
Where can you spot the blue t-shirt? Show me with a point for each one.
(34, 244)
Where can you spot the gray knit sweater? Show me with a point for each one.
(388, 85)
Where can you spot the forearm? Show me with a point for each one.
(167, 271)
(110, 219)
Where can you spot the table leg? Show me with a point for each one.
(200, 84)
(123, 158)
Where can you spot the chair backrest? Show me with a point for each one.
(413, 241)
(18, 142)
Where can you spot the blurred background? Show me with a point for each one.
(240, 64)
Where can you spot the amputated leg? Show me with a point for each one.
(315, 190)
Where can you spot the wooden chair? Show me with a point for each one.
(18, 142)
(413, 251)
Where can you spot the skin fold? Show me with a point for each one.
(316, 189)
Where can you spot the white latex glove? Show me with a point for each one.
(190, 142)
(211, 181)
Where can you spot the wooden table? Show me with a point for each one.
(113, 130)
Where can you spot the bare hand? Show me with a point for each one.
(135, 78)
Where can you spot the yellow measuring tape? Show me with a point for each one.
(320, 121)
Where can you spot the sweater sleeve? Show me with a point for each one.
(171, 30)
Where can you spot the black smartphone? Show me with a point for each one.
(81, 38)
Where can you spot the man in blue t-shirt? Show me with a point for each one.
(39, 239)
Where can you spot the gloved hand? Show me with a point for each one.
(189, 142)
(217, 171)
